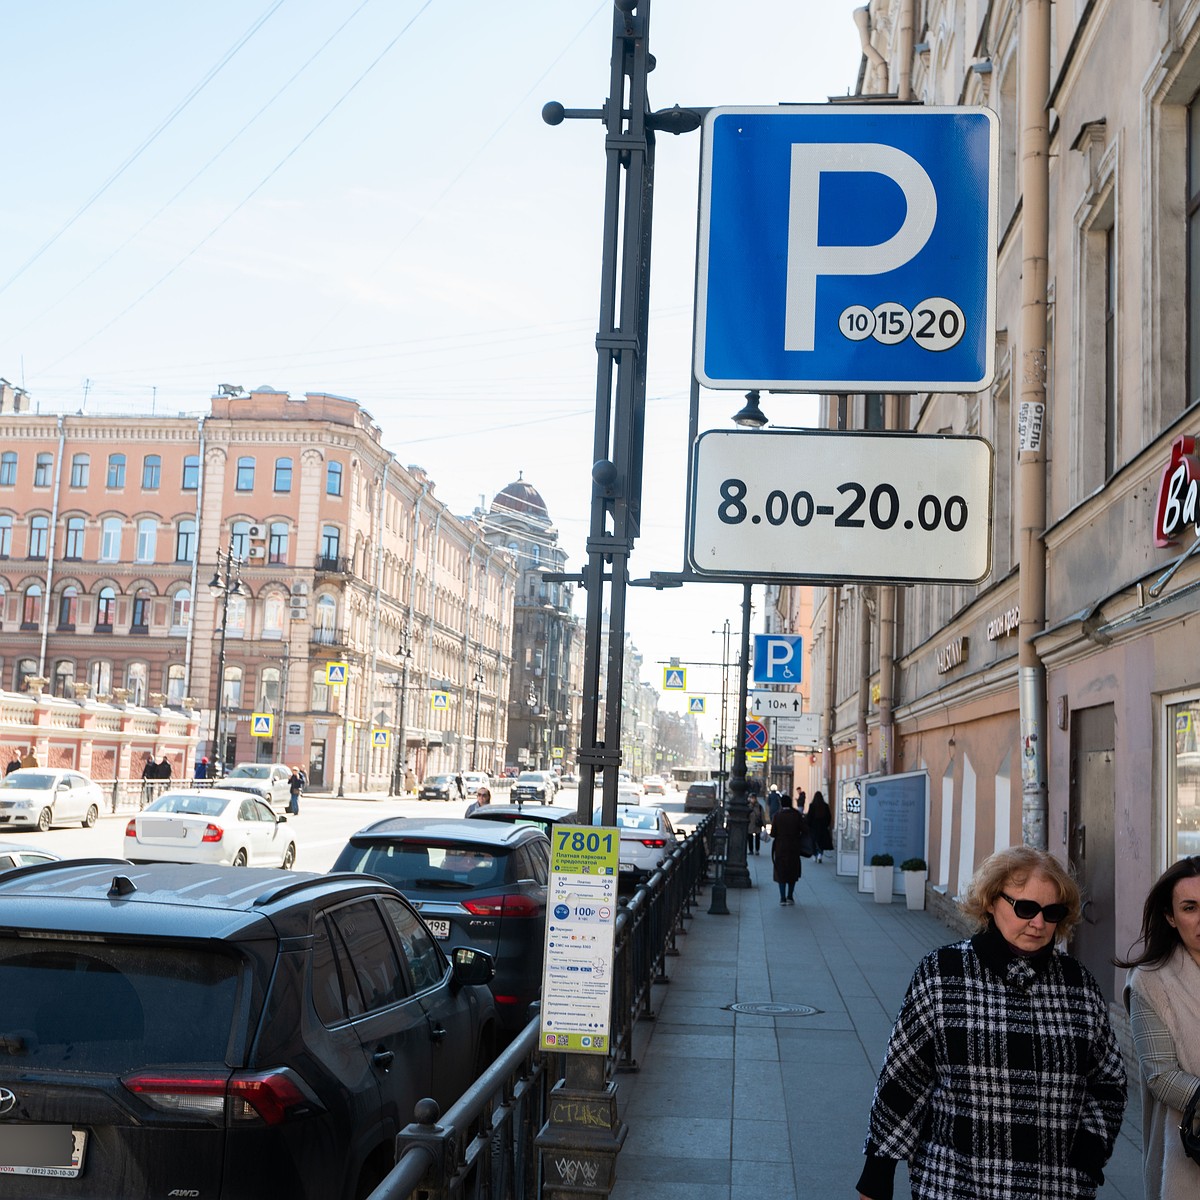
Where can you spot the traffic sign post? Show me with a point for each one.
(695, 704)
(826, 505)
(380, 738)
(262, 725)
(336, 673)
(755, 736)
(439, 700)
(776, 704)
(847, 249)
(804, 730)
(674, 679)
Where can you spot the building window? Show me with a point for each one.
(333, 479)
(68, 605)
(1193, 250)
(141, 613)
(100, 677)
(245, 474)
(181, 610)
(116, 471)
(320, 691)
(1110, 353)
(283, 474)
(191, 473)
(239, 539)
(147, 539)
(8, 468)
(5, 536)
(235, 621)
(1183, 779)
(80, 469)
(151, 472)
(277, 547)
(73, 547)
(25, 668)
(137, 679)
(106, 609)
(331, 540)
(268, 689)
(110, 540)
(326, 618)
(232, 693)
(185, 540)
(43, 470)
(64, 679)
(175, 683)
(273, 618)
(31, 610)
(39, 536)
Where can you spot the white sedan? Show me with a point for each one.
(33, 796)
(210, 825)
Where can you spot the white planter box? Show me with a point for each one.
(881, 881)
(914, 889)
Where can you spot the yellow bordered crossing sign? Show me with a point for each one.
(262, 725)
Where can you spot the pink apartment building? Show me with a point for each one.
(113, 529)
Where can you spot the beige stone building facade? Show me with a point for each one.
(113, 528)
(1091, 609)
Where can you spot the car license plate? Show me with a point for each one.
(626, 866)
(53, 1150)
(439, 928)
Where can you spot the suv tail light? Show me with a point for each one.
(271, 1097)
(212, 833)
(502, 906)
(654, 843)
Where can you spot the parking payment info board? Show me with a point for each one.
(581, 922)
(847, 249)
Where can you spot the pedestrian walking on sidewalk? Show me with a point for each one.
(1162, 994)
(1002, 1077)
(819, 821)
(773, 799)
(755, 826)
(788, 833)
(295, 787)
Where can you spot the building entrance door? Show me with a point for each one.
(316, 764)
(1090, 839)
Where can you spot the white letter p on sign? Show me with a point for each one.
(807, 260)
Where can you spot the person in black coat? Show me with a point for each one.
(788, 833)
(820, 820)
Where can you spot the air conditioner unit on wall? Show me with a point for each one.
(257, 533)
(299, 587)
(258, 552)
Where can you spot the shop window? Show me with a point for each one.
(1183, 779)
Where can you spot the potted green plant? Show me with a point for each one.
(916, 872)
(881, 877)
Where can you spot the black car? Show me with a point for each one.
(227, 1033)
(701, 797)
(543, 817)
(438, 787)
(476, 883)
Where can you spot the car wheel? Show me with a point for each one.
(239, 859)
(289, 856)
(90, 817)
(45, 820)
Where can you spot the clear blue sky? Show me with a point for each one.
(360, 197)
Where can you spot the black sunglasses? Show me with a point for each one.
(1028, 909)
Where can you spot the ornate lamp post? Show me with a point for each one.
(478, 680)
(226, 582)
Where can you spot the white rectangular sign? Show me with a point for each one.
(776, 704)
(823, 505)
(798, 731)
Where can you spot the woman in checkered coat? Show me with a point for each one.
(1162, 994)
(1002, 1079)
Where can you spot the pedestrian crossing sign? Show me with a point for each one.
(439, 700)
(262, 724)
(674, 679)
(379, 737)
(335, 673)
(695, 704)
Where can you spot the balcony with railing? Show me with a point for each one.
(326, 635)
(332, 565)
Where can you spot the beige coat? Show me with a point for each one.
(1173, 991)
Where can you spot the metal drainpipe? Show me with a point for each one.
(191, 625)
(466, 661)
(833, 600)
(430, 610)
(365, 747)
(1034, 74)
(51, 539)
(410, 629)
(892, 411)
(862, 741)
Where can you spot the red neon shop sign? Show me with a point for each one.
(1178, 493)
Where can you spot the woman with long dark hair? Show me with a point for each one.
(1162, 994)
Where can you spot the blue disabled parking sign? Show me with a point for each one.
(847, 249)
(778, 658)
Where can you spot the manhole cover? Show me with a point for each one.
(774, 1010)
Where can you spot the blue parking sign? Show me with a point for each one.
(847, 249)
(778, 657)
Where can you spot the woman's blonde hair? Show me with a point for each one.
(1015, 865)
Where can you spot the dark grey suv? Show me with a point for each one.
(232, 1034)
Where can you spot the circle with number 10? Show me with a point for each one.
(935, 324)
